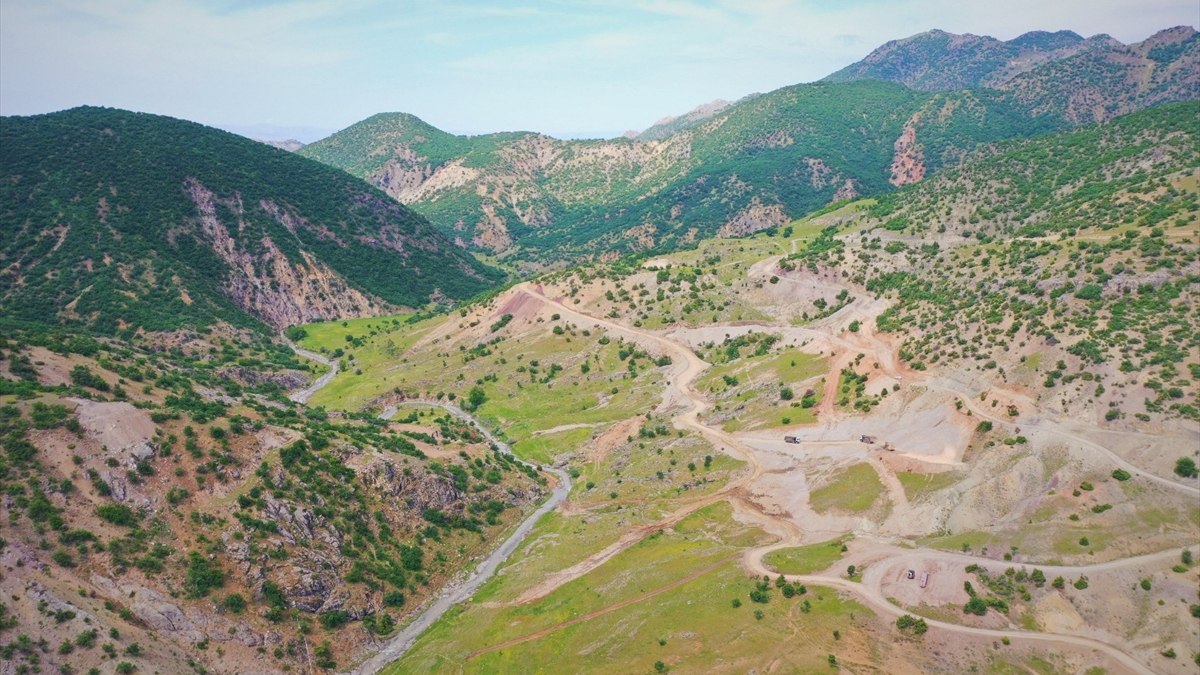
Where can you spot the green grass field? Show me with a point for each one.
(918, 485)
(655, 469)
(533, 381)
(756, 396)
(676, 589)
(807, 559)
(854, 490)
(330, 335)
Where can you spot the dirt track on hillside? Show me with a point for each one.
(757, 502)
(680, 391)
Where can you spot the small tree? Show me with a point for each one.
(1186, 467)
(202, 576)
(975, 606)
(476, 397)
(235, 603)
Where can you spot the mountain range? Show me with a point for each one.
(1061, 73)
(731, 169)
(535, 200)
(937, 312)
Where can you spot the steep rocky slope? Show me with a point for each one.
(1061, 73)
(1099, 84)
(167, 507)
(119, 220)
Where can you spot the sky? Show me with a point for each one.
(568, 68)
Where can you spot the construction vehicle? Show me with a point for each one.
(791, 439)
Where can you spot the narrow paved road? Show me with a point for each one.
(462, 589)
(302, 395)
(458, 591)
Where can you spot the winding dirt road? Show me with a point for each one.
(680, 385)
(680, 392)
(302, 395)
(869, 589)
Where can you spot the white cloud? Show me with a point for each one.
(557, 65)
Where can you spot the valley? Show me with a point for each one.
(895, 371)
(928, 428)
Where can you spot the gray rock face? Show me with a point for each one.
(311, 593)
(295, 525)
(116, 481)
(161, 615)
(142, 452)
(419, 493)
(287, 379)
(53, 603)
(158, 613)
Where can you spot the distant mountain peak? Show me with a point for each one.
(1082, 79)
(672, 123)
(1040, 39)
(290, 144)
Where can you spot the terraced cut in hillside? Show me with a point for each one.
(768, 443)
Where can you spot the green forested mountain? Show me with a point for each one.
(1050, 73)
(1077, 249)
(1098, 84)
(117, 220)
(750, 166)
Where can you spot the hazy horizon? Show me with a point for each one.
(277, 69)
